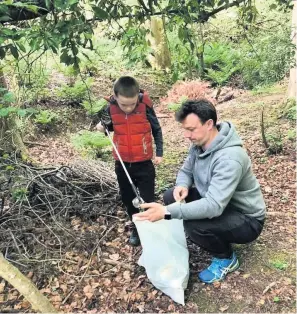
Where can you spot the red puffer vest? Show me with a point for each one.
(132, 132)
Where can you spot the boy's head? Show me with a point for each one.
(126, 91)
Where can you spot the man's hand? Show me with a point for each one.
(99, 127)
(158, 160)
(180, 193)
(154, 212)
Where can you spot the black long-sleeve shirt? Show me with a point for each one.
(155, 125)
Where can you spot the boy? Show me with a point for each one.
(133, 120)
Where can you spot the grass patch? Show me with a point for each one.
(273, 89)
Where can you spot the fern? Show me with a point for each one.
(45, 117)
(93, 107)
(76, 93)
(88, 139)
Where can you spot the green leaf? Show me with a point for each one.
(221, 2)
(276, 299)
(86, 56)
(5, 18)
(4, 112)
(100, 13)
(181, 33)
(14, 51)
(31, 110)
(65, 58)
(71, 2)
(21, 47)
(8, 97)
(22, 112)
(2, 53)
(48, 3)
(32, 8)
(7, 31)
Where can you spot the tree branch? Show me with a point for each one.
(202, 17)
(11, 274)
(207, 15)
(143, 5)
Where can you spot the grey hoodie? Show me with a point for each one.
(223, 176)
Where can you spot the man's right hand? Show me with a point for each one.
(180, 193)
(99, 127)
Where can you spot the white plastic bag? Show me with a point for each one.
(165, 256)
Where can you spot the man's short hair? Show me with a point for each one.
(203, 108)
(126, 86)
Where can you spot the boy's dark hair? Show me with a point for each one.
(126, 86)
(203, 108)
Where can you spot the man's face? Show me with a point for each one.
(195, 131)
(127, 104)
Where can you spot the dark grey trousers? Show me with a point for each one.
(216, 235)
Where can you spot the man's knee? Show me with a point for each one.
(168, 197)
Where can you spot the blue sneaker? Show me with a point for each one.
(218, 269)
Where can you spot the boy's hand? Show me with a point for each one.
(158, 160)
(99, 127)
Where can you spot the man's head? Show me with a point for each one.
(198, 118)
(126, 91)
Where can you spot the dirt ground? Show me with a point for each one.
(113, 282)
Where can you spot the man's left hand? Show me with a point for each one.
(153, 213)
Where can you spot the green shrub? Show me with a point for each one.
(275, 143)
(90, 143)
(76, 93)
(280, 265)
(291, 135)
(289, 111)
(6, 109)
(135, 45)
(93, 107)
(176, 106)
(268, 59)
(32, 77)
(19, 194)
(221, 62)
(45, 117)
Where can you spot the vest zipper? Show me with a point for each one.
(144, 145)
(129, 138)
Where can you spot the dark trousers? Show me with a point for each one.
(143, 176)
(216, 235)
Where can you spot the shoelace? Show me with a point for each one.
(216, 267)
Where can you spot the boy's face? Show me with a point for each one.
(127, 104)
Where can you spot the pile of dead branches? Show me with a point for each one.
(39, 207)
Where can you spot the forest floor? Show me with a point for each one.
(266, 279)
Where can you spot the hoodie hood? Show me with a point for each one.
(227, 137)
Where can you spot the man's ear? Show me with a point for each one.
(210, 124)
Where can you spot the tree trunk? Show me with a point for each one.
(161, 59)
(10, 138)
(12, 275)
(292, 89)
(200, 51)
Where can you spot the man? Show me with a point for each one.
(224, 203)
